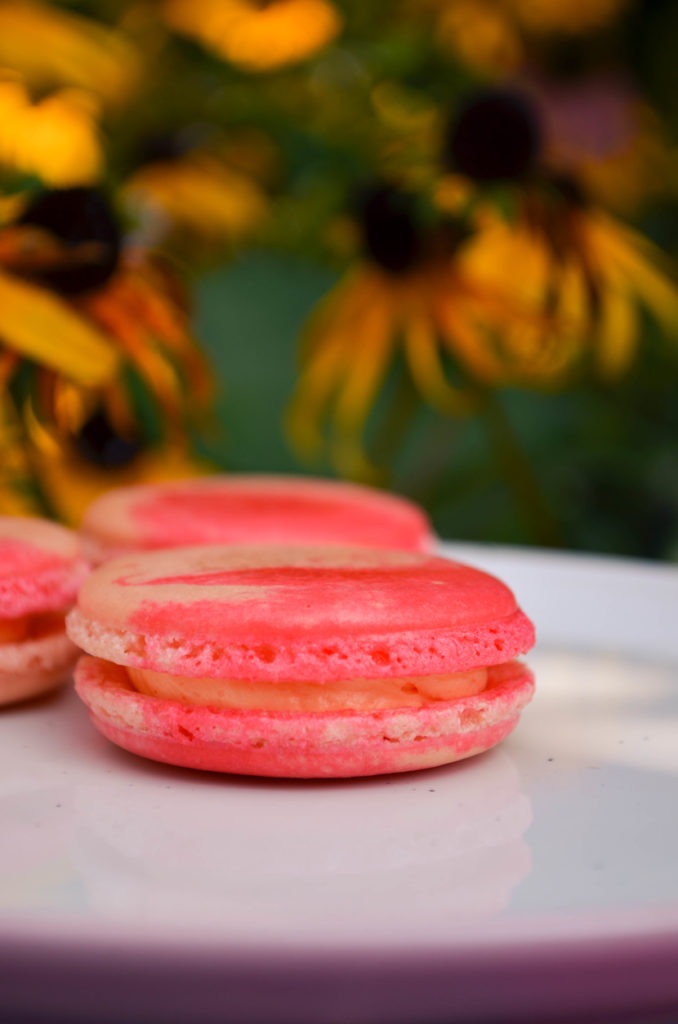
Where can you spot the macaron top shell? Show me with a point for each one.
(297, 613)
(252, 508)
(40, 566)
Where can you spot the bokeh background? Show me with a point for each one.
(425, 244)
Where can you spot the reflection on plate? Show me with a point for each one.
(315, 854)
(35, 869)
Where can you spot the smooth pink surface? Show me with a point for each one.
(253, 509)
(297, 745)
(298, 613)
(40, 566)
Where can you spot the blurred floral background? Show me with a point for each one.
(425, 244)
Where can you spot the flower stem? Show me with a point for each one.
(520, 476)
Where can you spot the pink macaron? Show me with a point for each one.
(40, 572)
(250, 509)
(300, 661)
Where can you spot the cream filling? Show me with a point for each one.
(30, 627)
(337, 695)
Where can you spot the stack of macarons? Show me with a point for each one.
(40, 572)
(292, 627)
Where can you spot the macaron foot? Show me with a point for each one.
(17, 688)
(34, 667)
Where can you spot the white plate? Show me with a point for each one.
(536, 881)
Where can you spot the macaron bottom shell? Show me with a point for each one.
(302, 745)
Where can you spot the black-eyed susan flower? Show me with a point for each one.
(257, 35)
(587, 272)
(592, 274)
(408, 293)
(82, 313)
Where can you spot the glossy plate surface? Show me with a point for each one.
(537, 881)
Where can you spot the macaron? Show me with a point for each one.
(300, 661)
(40, 572)
(250, 509)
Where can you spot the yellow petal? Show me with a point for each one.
(138, 309)
(423, 357)
(568, 330)
(487, 255)
(369, 352)
(39, 326)
(472, 344)
(259, 37)
(320, 377)
(617, 332)
(328, 352)
(341, 308)
(52, 47)
(641, 264)
(58, 140)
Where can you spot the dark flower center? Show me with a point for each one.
(567, 188)
(495, 137)
(391, 234)
(98, 443)
(82, 220)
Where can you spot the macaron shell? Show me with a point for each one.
(291, 745)
(251, 508)
(40, 566)
(33, 667)
(297, 614)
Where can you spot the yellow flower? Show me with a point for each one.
(56, 138)
(589, 272)
(196, 197)
(51, 47)
(583, 272)
(80, 313)
(411, 296)
(257, 35)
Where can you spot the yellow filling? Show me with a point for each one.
(341, 695)
(30, 627)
